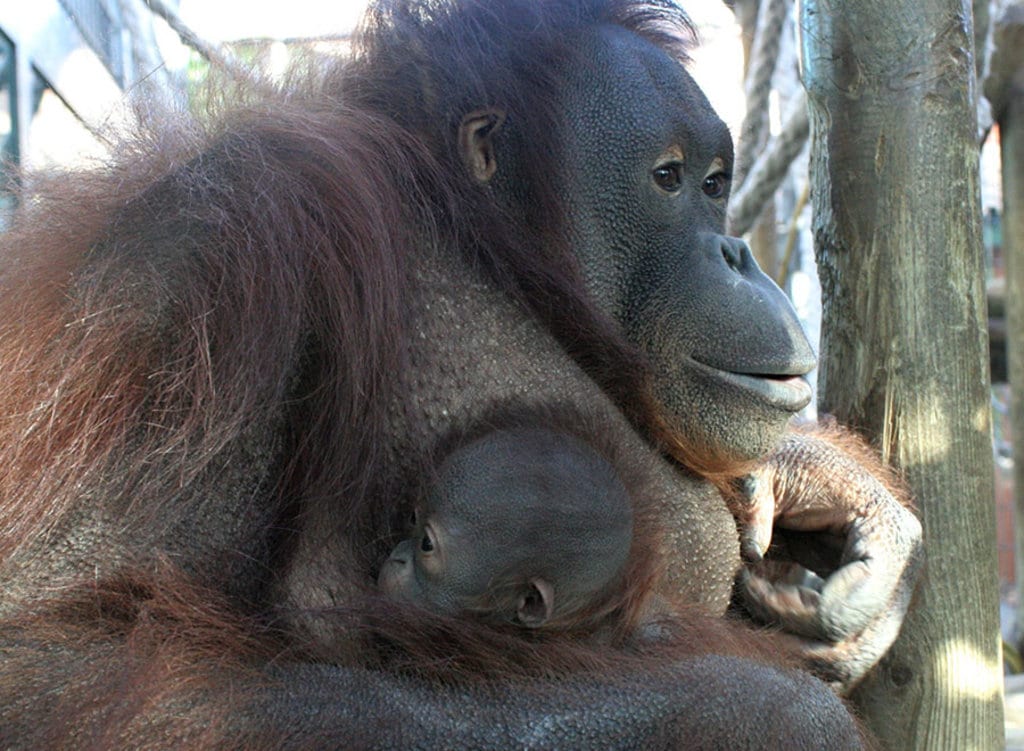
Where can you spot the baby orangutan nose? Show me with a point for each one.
(396, 573)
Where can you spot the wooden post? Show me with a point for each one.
(895, 190)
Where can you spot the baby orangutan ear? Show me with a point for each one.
(536, 604)
(476, 142)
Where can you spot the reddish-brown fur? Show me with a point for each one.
(306, 230)
(315, 238)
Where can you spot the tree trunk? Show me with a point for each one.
(895, 188)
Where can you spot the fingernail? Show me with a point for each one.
(747, 485)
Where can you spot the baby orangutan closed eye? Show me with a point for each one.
(525, 526)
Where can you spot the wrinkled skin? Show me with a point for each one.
(141, 658)
(838, 575)
(656, 259)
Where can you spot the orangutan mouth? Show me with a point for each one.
(790, 393)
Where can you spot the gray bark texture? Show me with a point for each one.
(895, 190)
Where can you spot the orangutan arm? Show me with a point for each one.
(706, 702)
(155, 690)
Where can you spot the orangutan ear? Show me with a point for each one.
(536, 604)
(476, 142)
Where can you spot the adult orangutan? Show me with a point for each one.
(230, 355)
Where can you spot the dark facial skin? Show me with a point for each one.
(726, 347)
(528, 524)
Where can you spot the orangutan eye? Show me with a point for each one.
(715, 185)
(426, 543)
(669, 177)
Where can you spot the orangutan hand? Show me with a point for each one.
(833, 551)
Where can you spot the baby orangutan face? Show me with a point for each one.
(510, 532)
(446, 567)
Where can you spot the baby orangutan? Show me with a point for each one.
(538, 531)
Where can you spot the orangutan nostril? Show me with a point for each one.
(733, 257)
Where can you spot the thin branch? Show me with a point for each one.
(217, 54)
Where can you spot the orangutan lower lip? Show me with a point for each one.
(786, 392)
(791, 393)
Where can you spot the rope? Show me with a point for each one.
(764, 54)
(791, 233)
(770, 169)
